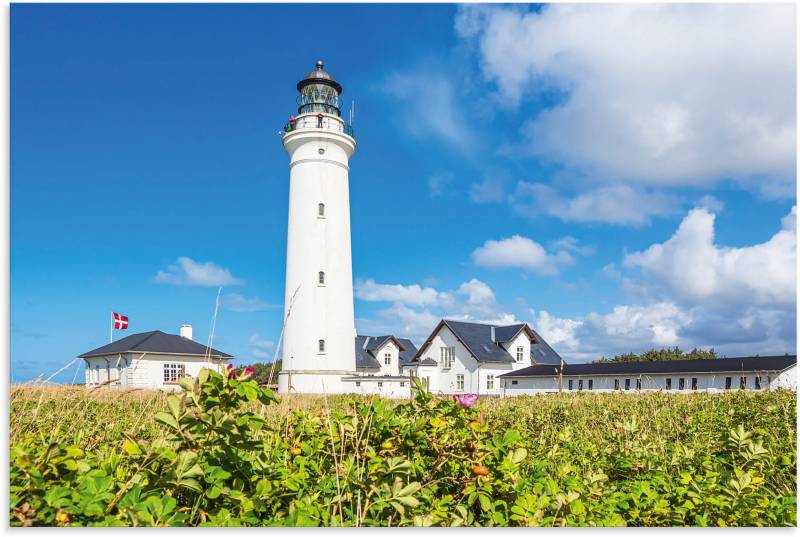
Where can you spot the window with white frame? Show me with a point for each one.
(321, 278)
(380, 384)
(172, 372)
(321, 346)
(490, 382)
(460, 383)
(520, 351)
(321, 210)
(446, 355)
(387, 358)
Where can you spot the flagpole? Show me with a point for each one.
(111, 330)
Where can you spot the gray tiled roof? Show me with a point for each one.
(718, 365)
(504, 334)
(542, 352)
(477, 338)
(367, 345)
(408, 352)
(155, 342)
(365, 360)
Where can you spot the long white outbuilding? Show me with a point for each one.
(680, 376)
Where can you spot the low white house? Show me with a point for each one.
(381, 364)
(465, 357)
(151, 360)
(678, 376)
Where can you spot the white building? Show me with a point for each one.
(465, 357)
(150, 360)
(319, 325)
(382, 363)
(679, 376)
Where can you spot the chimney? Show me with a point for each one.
(492, 334)
(186, 331)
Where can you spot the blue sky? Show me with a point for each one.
(608, 174)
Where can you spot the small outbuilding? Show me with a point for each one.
(150, 360)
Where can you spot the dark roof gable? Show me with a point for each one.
(477, 338)
(155, 342)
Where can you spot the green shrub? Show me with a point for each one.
(221, 454)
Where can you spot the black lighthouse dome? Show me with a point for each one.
(319, 92)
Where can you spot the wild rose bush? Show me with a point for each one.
(222, 455)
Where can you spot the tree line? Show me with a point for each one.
(658, 355)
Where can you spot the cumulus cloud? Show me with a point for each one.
(522, 253)
(613, 204)
(239, 303)
(658, 93)
(261, 348)
(409, 316)
(692, 268)
(414, 294)
(694, 293)
(186, 271)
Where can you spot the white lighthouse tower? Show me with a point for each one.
(319, 325)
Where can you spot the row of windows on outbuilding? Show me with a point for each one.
(667, 383)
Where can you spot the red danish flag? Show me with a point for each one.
(120, 322)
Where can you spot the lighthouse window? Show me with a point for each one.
(321, 210)
(321, 346)
(321, 278)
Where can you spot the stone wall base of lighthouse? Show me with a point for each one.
(314, 382)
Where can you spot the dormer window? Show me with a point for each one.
(321, 346)
(321, 278)
(387, 358)
(321, 210)
(520, 352)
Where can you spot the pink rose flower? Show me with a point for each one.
(467, 400)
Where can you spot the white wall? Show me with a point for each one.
(394, 354)
(787, 379)
(319, 244)
(475, 373)
(604, 383)
(143, 371)
(384, 388)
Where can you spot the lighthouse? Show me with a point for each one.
(319, 324)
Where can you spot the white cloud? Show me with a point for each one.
(437, 183)
(239, 303)
(488, 190)
(415, 294)
(571, 244)
(691, 268)
(431, 108)
(659, 93)
(261, 348)
(520, 252)
(613, 204)
(711, 203)
(694, 293)
(186, 271)
(411, 317)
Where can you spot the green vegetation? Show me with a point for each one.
(659, 355)
(228, 452)
(261, 372)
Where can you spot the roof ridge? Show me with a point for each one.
(151, 334)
